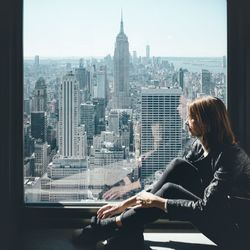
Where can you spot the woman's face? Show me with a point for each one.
(192, 126)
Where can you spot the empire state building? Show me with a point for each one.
(121, 97)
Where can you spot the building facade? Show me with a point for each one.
(39, 125)
(121, 96)
(87, 117)
(39, 100)
(206, 82)
(70, 132)
(161, 130)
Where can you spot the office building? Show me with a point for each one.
(36, 61)
(81, 76)
(148, 51)
(135, 59)
(39, 100)
(161, 129)
(41, 158)
(70, 131)
(113, 121)
(181, 78)
(29, 141)
(87, 117)
(206, 82)
(99, 104)
(100, 90)
(39, 125)
(108, 156)
(121, 96)
(62, 167)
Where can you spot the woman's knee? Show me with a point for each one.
(167, 190)
(178, 164)
(178, 161)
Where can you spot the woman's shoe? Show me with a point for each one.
(123, 240)
(97, 230)
(86, 236)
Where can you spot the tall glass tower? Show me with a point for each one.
(161, 130)
(71, 134)
(39, 100)
(121, 97)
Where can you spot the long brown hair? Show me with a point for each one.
(212, 120)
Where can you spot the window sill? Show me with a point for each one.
(77, 216)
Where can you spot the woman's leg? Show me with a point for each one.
(181, 172)
(142, 216)
(220, 228)
(134, 219)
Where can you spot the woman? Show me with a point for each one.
(199, 188)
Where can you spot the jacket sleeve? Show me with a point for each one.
(214, 199)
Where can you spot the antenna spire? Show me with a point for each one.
(121, 27)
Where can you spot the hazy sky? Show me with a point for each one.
(65, 28)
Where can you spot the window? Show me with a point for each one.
(105, 91)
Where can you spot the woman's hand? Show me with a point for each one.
(145, 199)
(110, 210)
(116, 192)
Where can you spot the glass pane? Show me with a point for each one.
(106, 85)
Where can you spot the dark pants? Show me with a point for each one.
(182, 180)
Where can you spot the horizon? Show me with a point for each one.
(102, 57)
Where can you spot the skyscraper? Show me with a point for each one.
(36, 63)
(29, 141)
(81, 76)
(39, 100)
(41, 157)
(100, 89)
(121, 97)
(161, 129)
(99, 104)
(113, 121)
(87, 117)
(206, 83)
(148, 51)
(70, 131)
(181, 78)
(39, 125)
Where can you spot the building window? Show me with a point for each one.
(106, 85)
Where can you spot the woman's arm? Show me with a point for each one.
(215, 195)
(112, 209)
(141, 200)
(146, 199)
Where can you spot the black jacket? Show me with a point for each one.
(231, 181)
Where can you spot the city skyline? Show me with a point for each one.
(137, 141)
(87, 29)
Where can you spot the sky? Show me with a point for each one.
(88, 28)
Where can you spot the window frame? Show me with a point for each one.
(74, 215)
